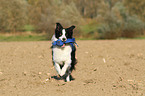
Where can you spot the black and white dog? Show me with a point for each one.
(63, 51)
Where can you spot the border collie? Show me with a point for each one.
(63, 51)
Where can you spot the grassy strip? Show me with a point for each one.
(139, 37)
(136, 38)
(23, 38)
(41, 38)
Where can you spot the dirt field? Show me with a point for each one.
(105, 68)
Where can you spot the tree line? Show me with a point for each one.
(94, 18)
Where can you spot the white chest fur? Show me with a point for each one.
(61, 55)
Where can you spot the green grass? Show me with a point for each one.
(43, 38)
(136, 38)
(89, 28)
(29, 28)
(139, 37)
(86, 39)
(23, 38)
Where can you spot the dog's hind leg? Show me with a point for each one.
(57, 67)
(68, 78)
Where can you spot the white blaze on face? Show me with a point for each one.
(62, 37)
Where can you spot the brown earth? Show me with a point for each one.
(105, 68)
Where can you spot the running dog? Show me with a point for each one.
(63, 51)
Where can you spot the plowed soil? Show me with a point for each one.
(104, 68)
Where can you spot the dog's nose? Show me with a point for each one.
(63, 39)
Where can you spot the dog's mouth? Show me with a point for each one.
(63, 45)
(63, 40)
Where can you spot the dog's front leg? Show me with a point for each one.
(57, 67)
(65, 68)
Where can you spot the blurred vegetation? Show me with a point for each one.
(23, 38)
(94, 19)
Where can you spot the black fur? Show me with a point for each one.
(59, 28)
(74, 61)
(69, 32)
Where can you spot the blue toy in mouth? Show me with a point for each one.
(59, 42)
(68, 41)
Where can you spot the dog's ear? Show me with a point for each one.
(69, 31)
(71, 28)
(58, 27)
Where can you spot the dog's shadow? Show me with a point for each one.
(62, 78)
(57, 77)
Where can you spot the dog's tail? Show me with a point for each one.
(74, 60)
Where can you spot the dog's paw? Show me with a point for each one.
(62, 73)
(67, 79)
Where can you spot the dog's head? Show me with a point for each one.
(63, 33)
